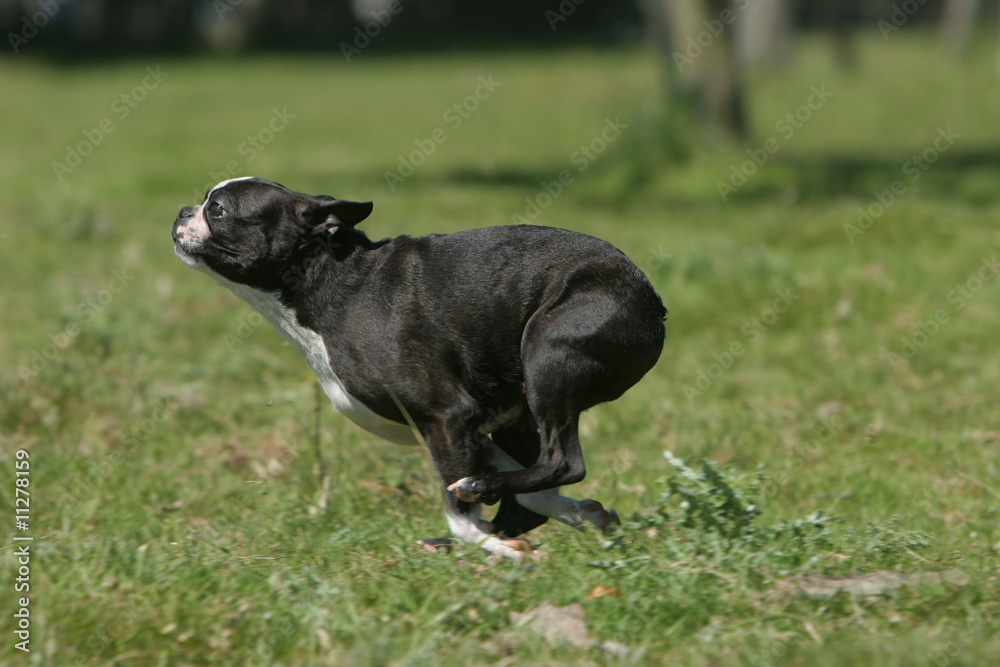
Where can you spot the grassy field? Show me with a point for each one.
(831, 350)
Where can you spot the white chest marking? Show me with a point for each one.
(310, 345)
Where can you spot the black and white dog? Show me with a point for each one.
(485, 344)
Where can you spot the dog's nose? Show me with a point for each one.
(185, 213)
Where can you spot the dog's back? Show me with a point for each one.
(488, 342)
(479, 300)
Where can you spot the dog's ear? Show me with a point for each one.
(326, 215)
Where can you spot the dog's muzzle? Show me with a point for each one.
(190, 229)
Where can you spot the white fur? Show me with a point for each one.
(466, 528)
(188, 240)
(310, 345)
(194, 231)
(224, 184)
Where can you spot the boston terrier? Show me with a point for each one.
(484, 345)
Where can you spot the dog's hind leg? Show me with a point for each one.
(513, 519)
(545, 504)
(559, 462)
(517, 446)
(579, 349)
(457, 450)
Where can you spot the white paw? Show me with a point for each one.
(518, 550)
(463, 490)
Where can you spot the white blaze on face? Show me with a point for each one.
(194, 231)
(223, 184)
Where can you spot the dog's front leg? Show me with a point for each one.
(458, 452)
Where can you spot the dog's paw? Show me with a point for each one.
(434, 544)
(465, 489)
(519, 550)
(603, 519)
(516, 549)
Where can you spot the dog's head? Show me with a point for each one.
(248, 229)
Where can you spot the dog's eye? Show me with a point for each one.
(215, 210)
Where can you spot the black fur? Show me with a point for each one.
(456, 328)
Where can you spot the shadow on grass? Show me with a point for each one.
(507, 177)
(971, 174)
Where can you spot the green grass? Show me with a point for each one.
(176, 507)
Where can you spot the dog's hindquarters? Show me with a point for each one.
(595, 336)
(591, 326)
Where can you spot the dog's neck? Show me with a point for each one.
(325, 265)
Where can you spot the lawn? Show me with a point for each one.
(831, 356)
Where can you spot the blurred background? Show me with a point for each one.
(762, 28)
(743, 35)
(812, 186)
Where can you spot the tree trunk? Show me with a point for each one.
(702, 75)
(763, 34)
(957, 18)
